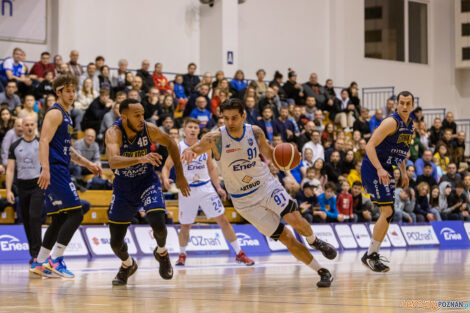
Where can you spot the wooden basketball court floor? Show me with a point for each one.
(277, 283)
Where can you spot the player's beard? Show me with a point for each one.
(131, 127)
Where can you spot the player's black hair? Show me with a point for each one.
(125, 104)
(233, 104)
(405, 94)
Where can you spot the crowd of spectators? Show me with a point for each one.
(330, 128)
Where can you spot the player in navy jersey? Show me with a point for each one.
(136, 184)
(61, 199)
(387, 148)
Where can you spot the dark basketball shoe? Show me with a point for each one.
(181, 259)
(165, 270)
(375, 262)
(325, 278)
(124, 273)
(326, 249)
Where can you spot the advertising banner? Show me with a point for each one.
(343, 231)
(76, 246)
(13, 244)
(251, 240)
(361, 235)
(419, 235)
(146, 241)
(99, 241)
(451, 234)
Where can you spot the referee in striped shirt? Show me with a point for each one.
(24, 156)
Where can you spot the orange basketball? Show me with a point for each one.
(286, 156)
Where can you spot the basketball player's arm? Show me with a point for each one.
(265, 149)
(405, 181)
(166, 172)
(387, 127)
(214, 174)
(210, 142)
(51, 122)
(77, 158)
(113, 151)
(156, 135)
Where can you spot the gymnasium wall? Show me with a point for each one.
(326, 37)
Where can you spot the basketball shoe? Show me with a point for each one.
(38, 269)
(124, 273)
(181, 259)
(325, 278)
(58, 267)
(375, 262)
(242, 258)
(165, 270)
(326, 249)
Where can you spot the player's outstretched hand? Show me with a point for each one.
(384, 177)
(95, 169)
(182, 185)
(405, 182)
(153, 158)
(44, 179)
(188, 155)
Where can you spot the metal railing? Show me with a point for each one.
(430, 114)
(374, 98)
(464, 125)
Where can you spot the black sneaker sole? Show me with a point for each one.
(179, 264)
(367, 265)
(120, 282)
(319, 284)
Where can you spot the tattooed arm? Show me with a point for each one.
(265, 149)
(209, 142)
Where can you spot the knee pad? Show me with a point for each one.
(277, 233)
(291, 207)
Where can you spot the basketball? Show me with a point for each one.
(286, 156)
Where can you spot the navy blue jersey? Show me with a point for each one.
(59, 147)
(394, 148)
(139, 146)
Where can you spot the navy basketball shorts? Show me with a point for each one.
(379, 194)
(131, 194)
(61, 195)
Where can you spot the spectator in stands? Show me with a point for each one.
(90, 73)
(441, 156)
(85, 97)
(300, 119)
(329, 89)
(251, 92)
(10, 137)
(375, 120)
(426, 176)
(361, 205)
(104, 80)
(13, 68)
(109, 118)
(238, 84)
(167, 106)
(310, 107)
(252, 113)
(362, 123)
(284, 125)
(200, 112)
(346, 113)
(74, 67)
(259, 84)
(190, 80)
(161, 82)
(457, 202)
(270, 99)
(6, 122)
(361, 152)
(45, 87)
(389, 107)
(133, 94)
(206, 80)
(28, 108)
(9, 96)
(219, 76)
(151, 105)
(445, 190)
(118, 79)
(422, 133)
(435, 132)
(293, 89)
(333, 168)
(317, 172)
(89, 149)
(426, 159)
(466, 182)
(49, 101)
(423, 210)
(39, 68)
(338, 146)
(344, 203)
(354, 95)
(355, 173)
(451, 176)
(347, 163)
(179, 89)
(266, 124)
(449, 123)
(403, 206)
(418, 112)
(416, 148)
(308, 204)
(218, 98)
(137, 86)
(328, 134)
(99, 62)
(57, 64)
(316, 146)
(191, 105)
(327, 202)
(96, 111)
(458, 147)
(144, 74)
(313, 89)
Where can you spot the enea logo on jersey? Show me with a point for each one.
(449, 234)
(11, 243)
(241, 165)
(246, 240)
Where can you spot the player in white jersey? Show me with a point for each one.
(199, 173)
(255, 193)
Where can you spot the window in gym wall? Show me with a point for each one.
(385, 17)
(465, 5)
(417, 32)
(466, 29)
(466, 53)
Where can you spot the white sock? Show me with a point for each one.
(127, 262)
(374, 247)
(236, 246)
(311, 239)
(58, 250)
(183, 249)
(160, 250)
(43, 255)
(314, 265)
